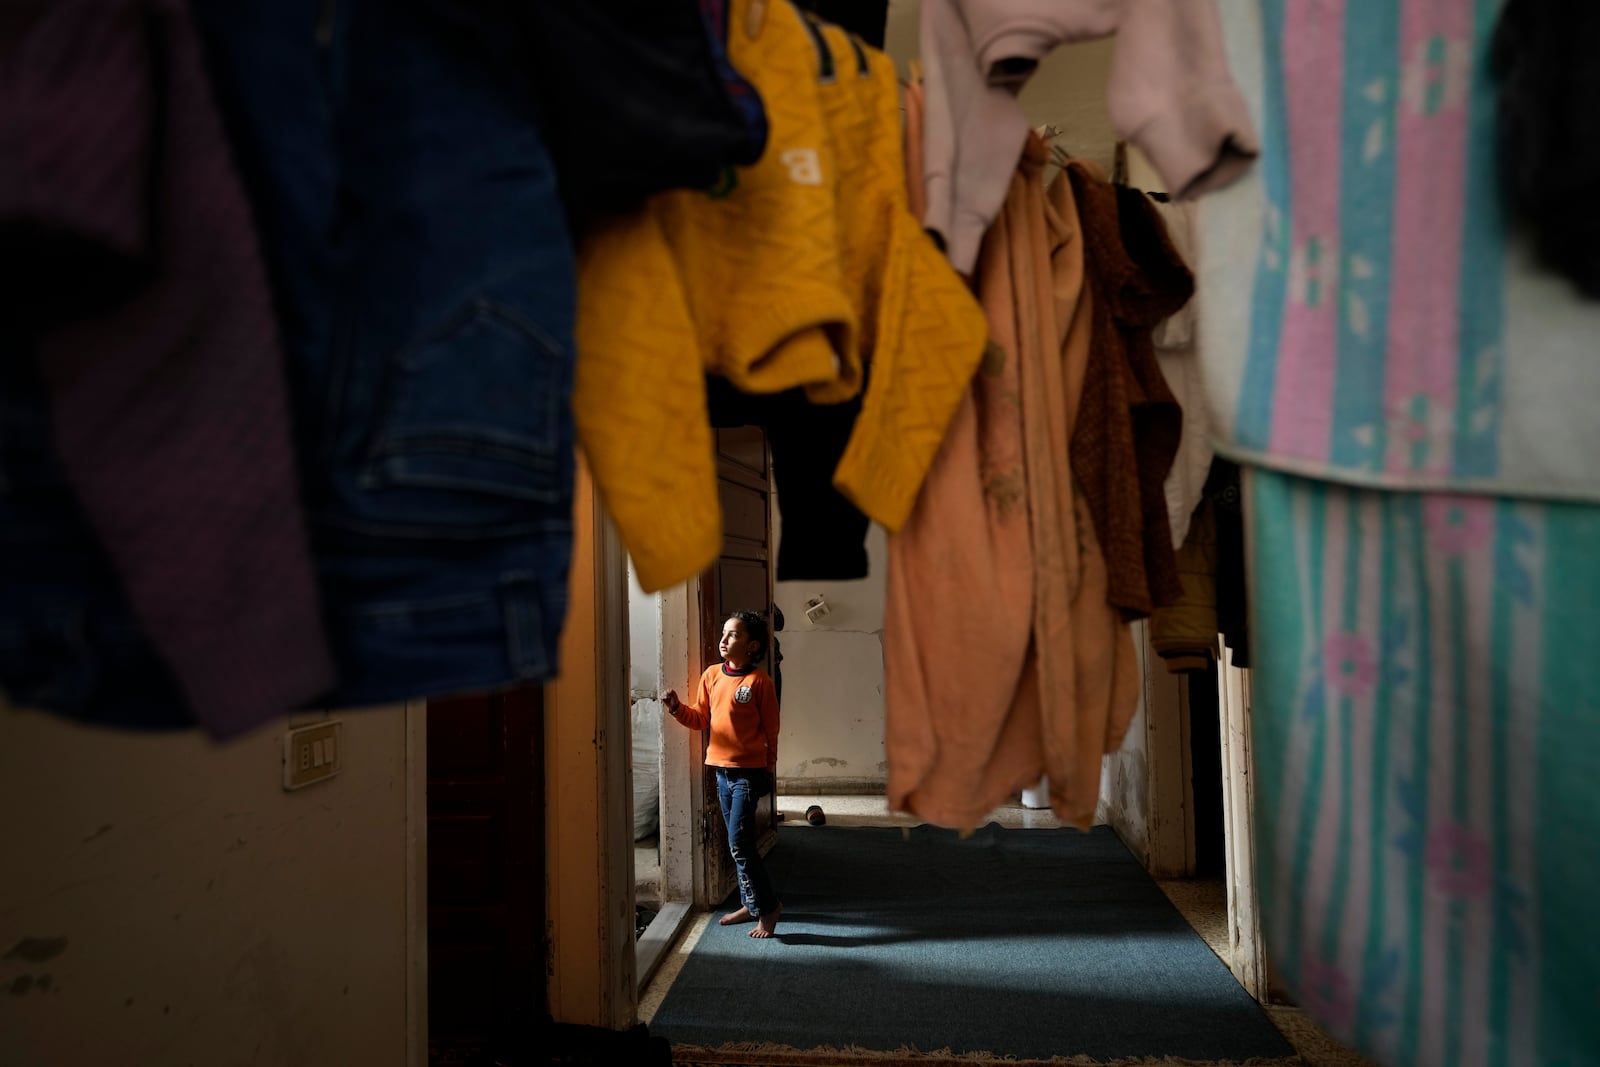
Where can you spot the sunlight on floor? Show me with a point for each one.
(874, 811)
(1203, 903)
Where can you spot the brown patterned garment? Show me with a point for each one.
(1129, 426)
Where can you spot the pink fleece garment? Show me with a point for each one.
(1170, 93)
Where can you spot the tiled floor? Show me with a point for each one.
(1203, 903)
(874, 811)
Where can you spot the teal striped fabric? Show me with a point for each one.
(1368, 314)
(1427, 665)
(1426, 706)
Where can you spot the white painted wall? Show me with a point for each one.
(644, 637)
(1125, 786)
(645, 685)
(833, 679)
(163, 901)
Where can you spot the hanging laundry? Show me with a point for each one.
(1129, 426)
(1427, 738)
(866, 19)
(1176, 344)
(754, 294)
(1410, 394)
(425, 278)
(1548, 138)
(1002, 658)
(70, 643)
(140, 294)
(921, 333)
(828, 541)
(794, 275)
(640, 97)
(1367, 315)
(1170, 93)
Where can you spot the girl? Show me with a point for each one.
(739, 702)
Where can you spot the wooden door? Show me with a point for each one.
(741, 580)
(1249, 960)
(486, 877)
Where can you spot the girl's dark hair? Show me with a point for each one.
(755, 625)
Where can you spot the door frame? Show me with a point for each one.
(683, 840)
(1170, 832)
(589, 790)
(1163, 839)
(1172, 829)
(716, 875)
(416, 763)
(1247, 957)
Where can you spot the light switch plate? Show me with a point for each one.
(312, 754)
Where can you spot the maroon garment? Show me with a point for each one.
(150, 314)
(1129, 424)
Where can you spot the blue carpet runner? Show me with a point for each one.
(1029, 944)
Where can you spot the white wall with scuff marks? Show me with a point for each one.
(163, 901)
(644, 638)
(833, 678)
(1125, 774)
(645, 687)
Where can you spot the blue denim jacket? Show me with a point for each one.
(425, 281)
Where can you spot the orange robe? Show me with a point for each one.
(1002, 658)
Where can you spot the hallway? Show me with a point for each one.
(1202, 903)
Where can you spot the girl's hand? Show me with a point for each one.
(669, 701)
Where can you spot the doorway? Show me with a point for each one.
(740, 580)
(674, 637)
(527, 815)
(486, 874)
(585, 798)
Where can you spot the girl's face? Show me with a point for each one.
(736, 645)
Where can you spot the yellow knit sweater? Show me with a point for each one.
(808, 269)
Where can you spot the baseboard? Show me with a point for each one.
(652, 946)
(832, 787)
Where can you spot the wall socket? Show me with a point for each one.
(312, 754)
(817, 609)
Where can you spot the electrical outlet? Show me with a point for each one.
(817, 609)
(312, 754)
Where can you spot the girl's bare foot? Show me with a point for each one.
(734, 918)
(767, 923)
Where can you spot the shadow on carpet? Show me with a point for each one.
(918, 945)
